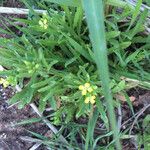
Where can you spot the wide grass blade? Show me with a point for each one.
(90, 130)
(95, 19)
(135, 13)
(66, 2)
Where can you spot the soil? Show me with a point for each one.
(10, 136)
(4, 17)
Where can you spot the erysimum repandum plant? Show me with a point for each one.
(55, 65)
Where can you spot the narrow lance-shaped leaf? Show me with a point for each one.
(74, 3)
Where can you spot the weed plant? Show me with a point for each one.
(54, 64)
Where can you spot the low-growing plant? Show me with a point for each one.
(54, 64)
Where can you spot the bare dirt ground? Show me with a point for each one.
(10, 136)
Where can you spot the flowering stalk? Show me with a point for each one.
(43, 22)
(89, 92)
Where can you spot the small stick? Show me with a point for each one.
(119, 117)
(35, 146)
(136, 118)
(21, 11)
(52, 128)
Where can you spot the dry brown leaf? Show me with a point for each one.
(123, 98)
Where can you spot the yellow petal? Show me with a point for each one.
(40, 22)
(45, 21)
(5, 84)
(84, 92)
(81, 87)
(90, 89)
(87, 85)
(92, 101)
(45, 26)
(87, 100)
(1, 80)
(93, 97)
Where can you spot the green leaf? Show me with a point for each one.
(70, 61)
(129, 102)
(78, 17)
(25, 95)
(28, 121)
(102, 113)
(48, 87)
(73, 3)
(42, 83)
(78, 48)
(139, 23)
(121, 86)
(112, 34)
(53, 103)
(82, 108)
(42, 105)
(136, 12)
(125, 45)
(90, 129)
(146, 121)
(132, 56)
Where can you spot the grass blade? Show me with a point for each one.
(135, 13)
(65, 2)
(90, 130)
(95, 19)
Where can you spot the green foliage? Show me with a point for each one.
(144, 138)
(54, 56)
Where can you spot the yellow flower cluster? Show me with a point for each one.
(90, 99)
(31, 66)
(4, 82)
(87, 90)
(43, 22)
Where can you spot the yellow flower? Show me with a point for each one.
(43, 23)
(81, 87)
(4, 82)
(84, 92)
(90, 99)
(87, 100)
(87, 85)
(85, 88)
(90, 89)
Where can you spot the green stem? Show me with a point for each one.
(95, 19)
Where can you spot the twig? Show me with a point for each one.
(8, 10)
(136, 118)
(30, 139)
(1, 68)
(52, 128)
(119, 117)
(35, 146)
